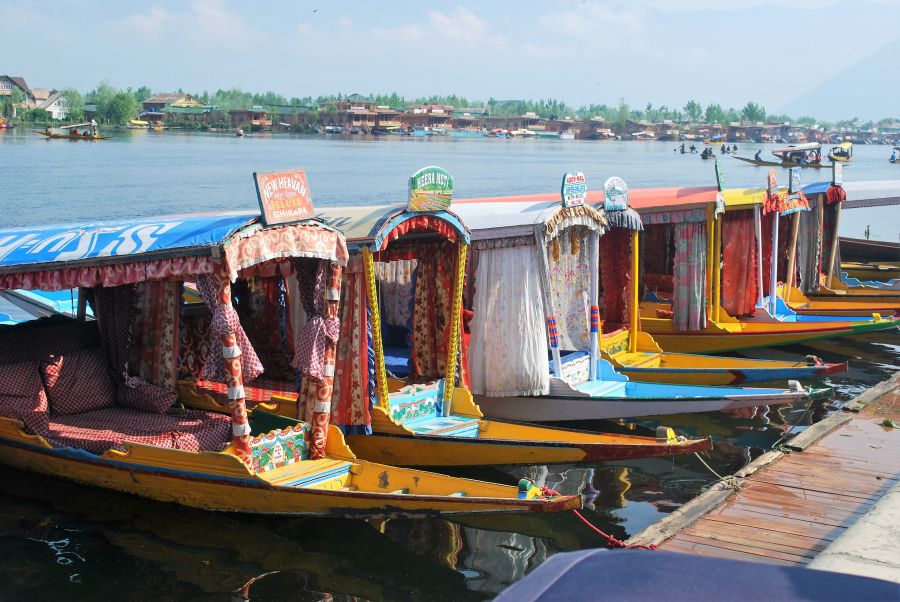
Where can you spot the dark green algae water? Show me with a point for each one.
(63, 541)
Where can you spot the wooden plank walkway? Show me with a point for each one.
(795, 504)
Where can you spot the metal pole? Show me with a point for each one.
(773, 277)
(594, 319)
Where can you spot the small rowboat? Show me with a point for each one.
(781, 163)
(842, 153)
(77, 131)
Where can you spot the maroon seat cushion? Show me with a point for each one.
(110, 428)
(78, 382)
(22, 395)
(141, 395)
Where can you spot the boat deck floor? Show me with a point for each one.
(788, 511)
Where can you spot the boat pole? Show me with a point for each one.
(381, 385)
(549, 311)
(717, 269)
(835, 241)
(710, 235)
(635, 292)
(594, 322)
(453, 345)
(757, 222)
(773, 277)
(792, 256)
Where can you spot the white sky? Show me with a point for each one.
(591, 51)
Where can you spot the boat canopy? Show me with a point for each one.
(808, 146)
(373, 226)
(116, 252)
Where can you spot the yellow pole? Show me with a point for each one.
(792, 256)
(453, 343)
(710, 241)
(375, 324)
(835, 241)
(717, 270)
(635, 292)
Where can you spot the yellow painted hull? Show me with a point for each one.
(730, 336)
(846, 302)
(219, 481)
(871, 271)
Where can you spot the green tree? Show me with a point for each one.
(142, 94)
(121, 107)
(76, 104)
(714, 113)
(753, 112)
(15, 99)
(693, 110)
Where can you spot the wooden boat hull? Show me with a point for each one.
(70, 136)
(721, 337)
(690, 369)
(781, 163)
(515, 443)
(881, 271)
(219, 481)
(559, 408)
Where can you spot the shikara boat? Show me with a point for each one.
(95, 401)
(798, 155)
(842, 153)
(544, 263)
(404, 286)
(77, 131)
(880, 271)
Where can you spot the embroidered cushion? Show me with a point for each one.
(141, 395)
(78, 382)
(22, 395)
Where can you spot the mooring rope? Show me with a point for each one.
(612, 542)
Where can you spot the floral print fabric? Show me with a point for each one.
(569, 267)
(689, 304)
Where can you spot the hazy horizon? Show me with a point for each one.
(582, 52)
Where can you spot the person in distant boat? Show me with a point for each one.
(894, 157)
(682, 148)
(694, 149)
(734, 148)
(723, 149)
(758, 156)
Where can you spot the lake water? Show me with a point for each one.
(68, 542)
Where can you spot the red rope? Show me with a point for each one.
(612, 542)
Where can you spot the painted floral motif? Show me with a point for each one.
(570, 287)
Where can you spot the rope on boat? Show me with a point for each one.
(611, 541)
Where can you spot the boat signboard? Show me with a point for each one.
(283, 196)
(837, 173)
(794, 184)
(773, 182)
(430, 189)
(574, 189)
(795, 200)
(615, 192)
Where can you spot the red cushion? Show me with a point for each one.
(141, 395)
(78, 382)
(22, 395)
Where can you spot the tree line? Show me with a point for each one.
(117, 106)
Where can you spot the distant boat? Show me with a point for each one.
(138, 124)
(567, 136)
(334, 129)
(643, 136)
(77, 131)
(239, 132)
(842, 153)
(895, 156)
(387, 130)
(6, 124)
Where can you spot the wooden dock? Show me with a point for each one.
(786, 507)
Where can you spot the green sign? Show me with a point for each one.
(430, 189)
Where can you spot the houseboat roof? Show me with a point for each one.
(368, 225)
(130, 250)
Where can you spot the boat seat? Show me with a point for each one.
(259, 390)
(576, 367)
(326, 473)
(602, 388)
(419, 408)
(639, 359)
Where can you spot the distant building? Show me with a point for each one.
(56, 105)
(8, 83)
(155, 106)
(256, 117)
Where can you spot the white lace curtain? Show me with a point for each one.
(508, 344)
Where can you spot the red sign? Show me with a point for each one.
(283, 196)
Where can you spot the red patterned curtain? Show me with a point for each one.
(689, 303)
(261, 304)
(114, 309)
(432, 303)
(155, 333)
(739, 275)
(353, 393)
(615, 276)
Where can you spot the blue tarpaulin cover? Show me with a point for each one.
(642, 575)
(126, 237)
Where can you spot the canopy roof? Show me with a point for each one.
(371, 226)
(797, 147)
(873, 193)
(131, 250)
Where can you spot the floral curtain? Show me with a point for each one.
(508, 353)
(739, 275)
(261, 304)
(570, 268)
(689, 304)
(432, 304)
(114, 310)
(615, 276)
(395, 279)
(155, 333)
(353, 395)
